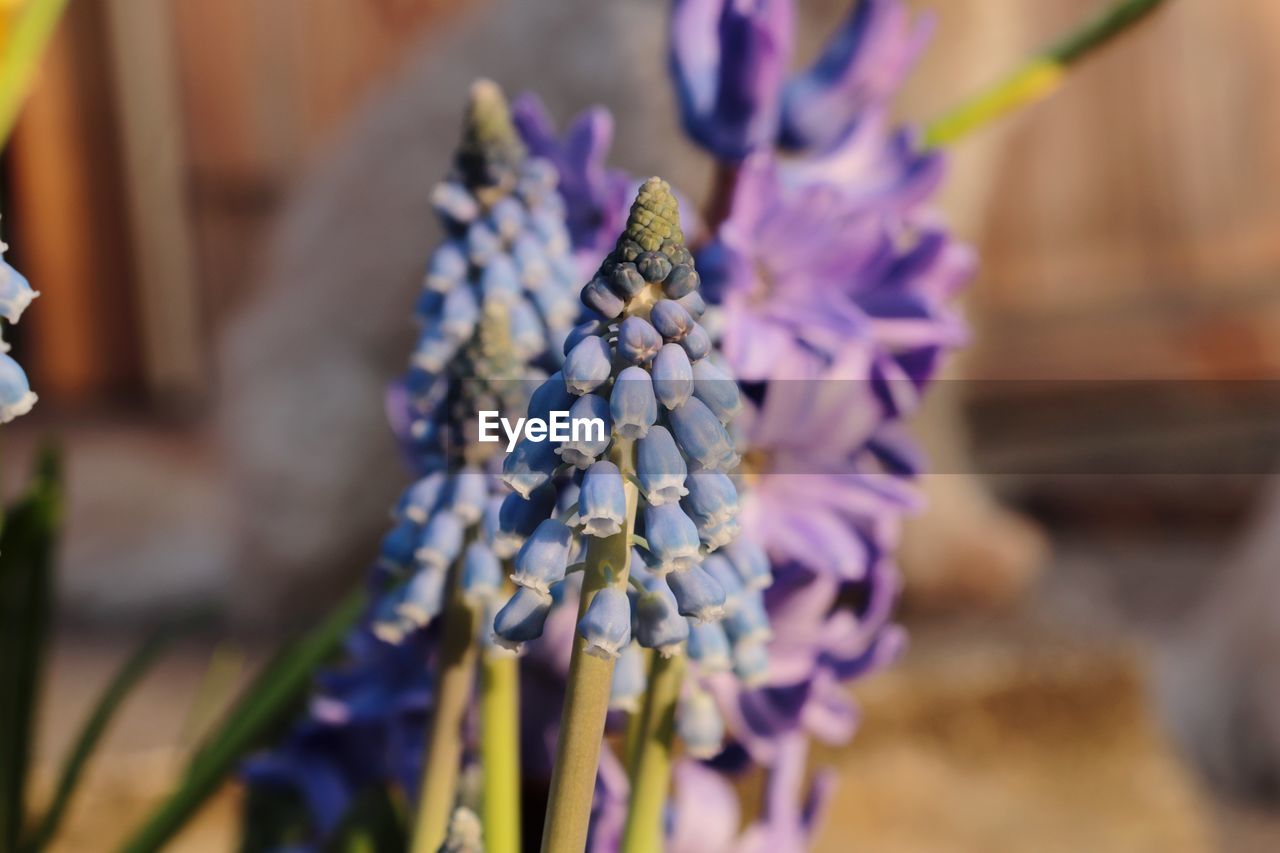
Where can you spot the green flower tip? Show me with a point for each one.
(654, 222)
(491, 150)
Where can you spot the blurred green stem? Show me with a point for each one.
(454, 681)
(651, 765)
(586, 698)
(500, 750)
(1038, 77)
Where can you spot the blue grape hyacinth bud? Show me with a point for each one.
(602, 501)
(586, 443)
(709, 647)
(672, 538)
(587, 366)
(751, 662)
(522, 618)
(397, 548)
(628, 681)
(518, 517)
(638, 340)
(750, 562)
(606, 624)
(441, 540)
(660, 468)
(468, 492)
(712, 498)
(658, 623)
(420, 499)
(672, 376)
(632, 403)
(15, 293)
(702, 437)
(671, 320)
(544, 557)
(746, 619)
(698, 595)
(699, 724)
(481, 578)
(530, 465)
(717, 389)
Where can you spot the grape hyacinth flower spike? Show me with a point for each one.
(634, 367)
(16, 396)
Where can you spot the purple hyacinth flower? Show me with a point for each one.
(728, 59)
(606, 624)
(602, 501)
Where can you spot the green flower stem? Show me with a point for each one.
(500, 750)
(1040, 76)
(454, 682)
(635, 727)
(23, 46)
(651, 768)
(586, 699)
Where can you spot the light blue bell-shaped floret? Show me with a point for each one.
(582, 331)
(396, 551)
(628, 683)
(694, 304)
(453, 201)
(638, 341)
(15, 293)
(751, 662)
(423, 597)
(697, 343)
(441, 540)
(602, 501)
(712, 497)
(746, 619)
(672, 538)
(558, 308)
(606, 624)
(716, 536)
(699, 724)
(531, 261)
(543, 558)
(491, 521)
(468, 493)
(750, 562)
(672, 376)
(590, 422)
(587, 366)
(682, 281)
(709, 647)
(550, 396)
(717, 389)
(653, 266)
(548, 224)
(538, 177)
(626, 281)
(530, 465)
(702, 437)
(421, 498)
(660, 468)
(698, 595)
(657, 621)
(386, 622)
(506, 217)
(428, 306)
(632, 403)
(521, 618)
(719, 567)
(500, 281)
(481, 577)
(565, 270)
(483, 244)
(671, 320)
(435, 348)
(528, 336)
(566, 497)
(599, 297)
(518, 517)
(447, 267)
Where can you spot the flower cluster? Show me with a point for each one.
(641, 365)
(16, 397)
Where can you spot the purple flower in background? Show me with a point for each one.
(596, 197)
(729, 61)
